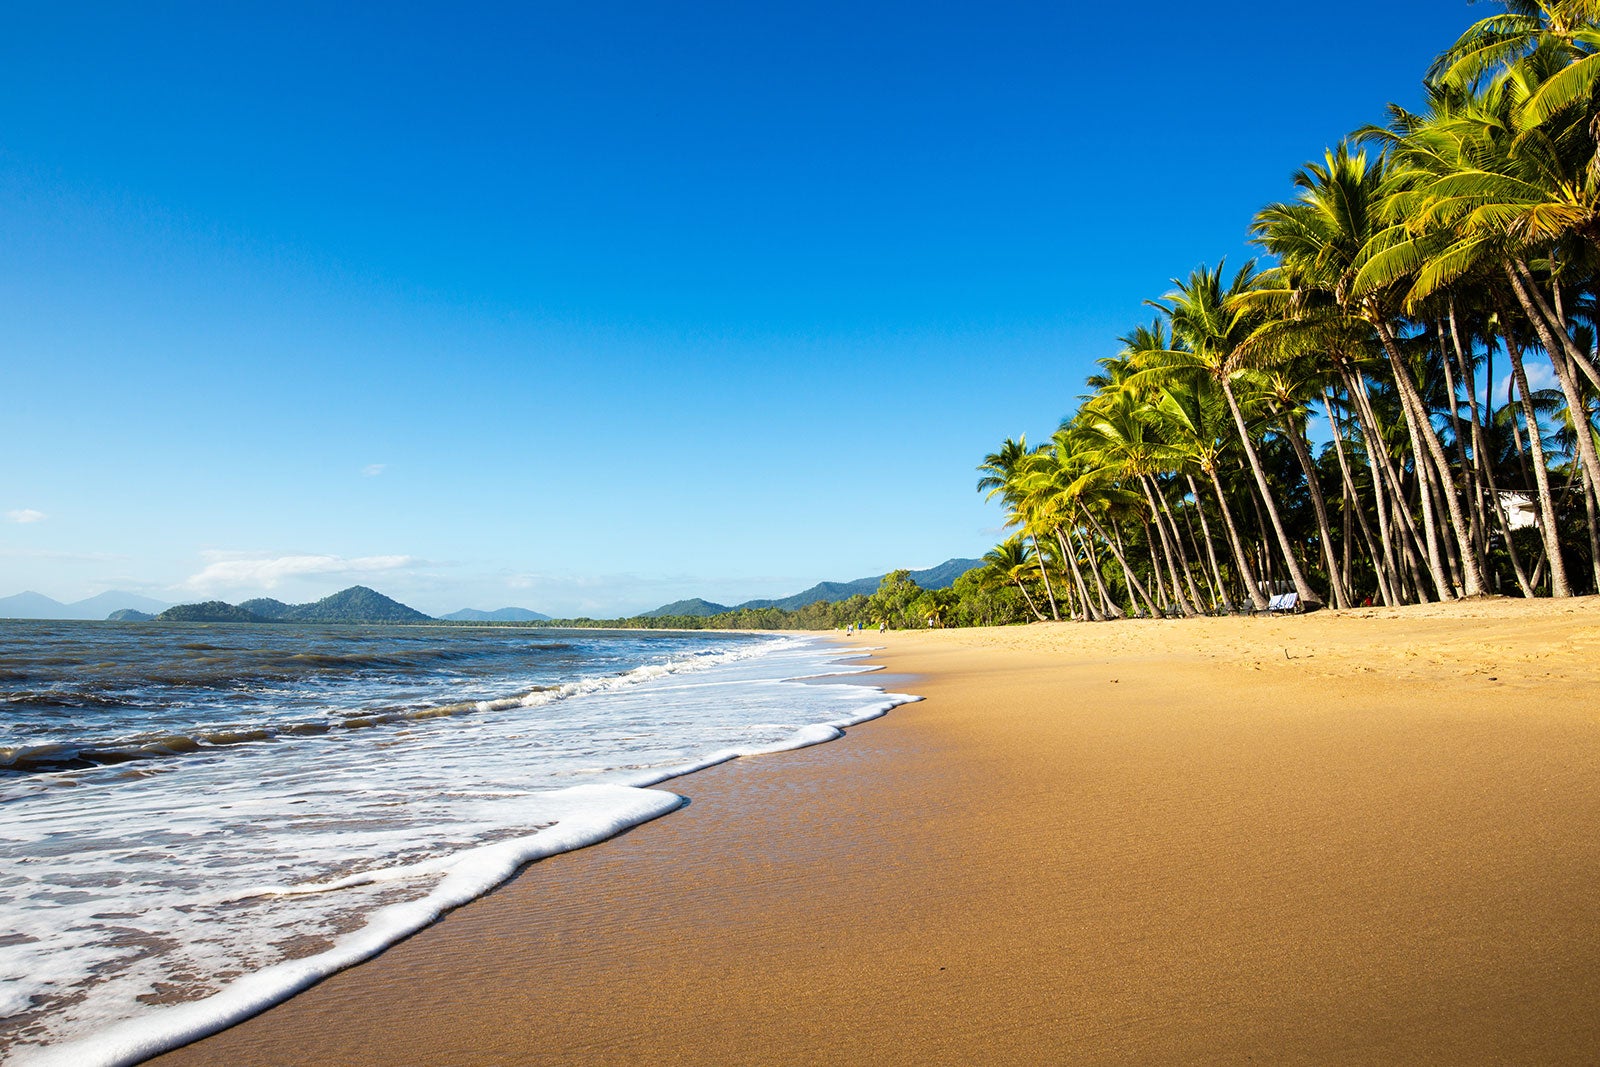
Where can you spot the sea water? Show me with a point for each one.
(197, 821)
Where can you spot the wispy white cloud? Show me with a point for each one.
(372, 470)
(1540, 376)
(26, 515)
(228, 571)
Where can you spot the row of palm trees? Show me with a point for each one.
(1448, 247)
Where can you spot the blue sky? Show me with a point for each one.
(587, 307)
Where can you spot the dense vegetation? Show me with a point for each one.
(1446, 247)
(979, 597)
(208, 611)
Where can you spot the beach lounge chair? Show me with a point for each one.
(1283, 603)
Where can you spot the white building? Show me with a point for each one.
(1520, 509)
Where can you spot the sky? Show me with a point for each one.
(587, 307)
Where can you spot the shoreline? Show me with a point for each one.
(578, 815)
(1359, 835)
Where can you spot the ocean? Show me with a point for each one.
(197, 821)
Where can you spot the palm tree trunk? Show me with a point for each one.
(1378, 452)
(1590, 495)
(1241, 558)
(1430, 520)
(1184, 566)
(1472, 577)
(1206, 578)
(1089, 610)
(1135, 586)
(1049, 591)
(1319, 505)
(1211, 551)
(1472, 469)
(1037, 614)
(1302, 586)
(1452, 556)
(1155, 569)
(1079, 538)
(1558, 322)
(1478, 424)
(1484, 467)
(1382, 563)
(1558, 360)
(1167, 550)
(1559, 587)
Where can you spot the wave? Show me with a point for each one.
(65, 755)
(579, 816)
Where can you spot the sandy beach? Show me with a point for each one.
(1359, 837)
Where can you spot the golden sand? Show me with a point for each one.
(1359, 837)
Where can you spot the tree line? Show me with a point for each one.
(980, 597)
(1440, 249)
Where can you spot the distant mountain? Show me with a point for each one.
(356, 604)
(267, 608)
(98, 607)
(940, 577)
(686, 607)
(129, 615)
(209, 611)
(498, 615)
(31, 605)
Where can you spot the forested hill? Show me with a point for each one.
(686, 607)
(940, 577)
(356, 604)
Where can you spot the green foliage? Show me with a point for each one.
(898, 601)
(209, 611)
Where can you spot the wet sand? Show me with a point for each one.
(1369, 837)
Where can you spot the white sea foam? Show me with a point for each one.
(230, 881)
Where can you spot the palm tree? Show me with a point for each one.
(1212, 323)
(1009, 561)
(1002, 473)
(1322, 240)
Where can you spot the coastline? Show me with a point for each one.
(1356, 836)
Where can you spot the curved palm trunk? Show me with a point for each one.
(1559, 587)
(1037, 614)
(1480, 449)
(1391, 495)
(1167, 549)
(1484, 462)
(1558, 360)
(1589, 510)
(1182, 556)
(1422, 429)
(1193, 545)
(1211, 551)
(1135, 586)
(1469, 465)
(1079, 538)
(1089, 610)
(1430, 520)
(1319, 506)
(1049, 591)
(1296, 574)
(1558, 321)
(1241, 558)
(1382, 562)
